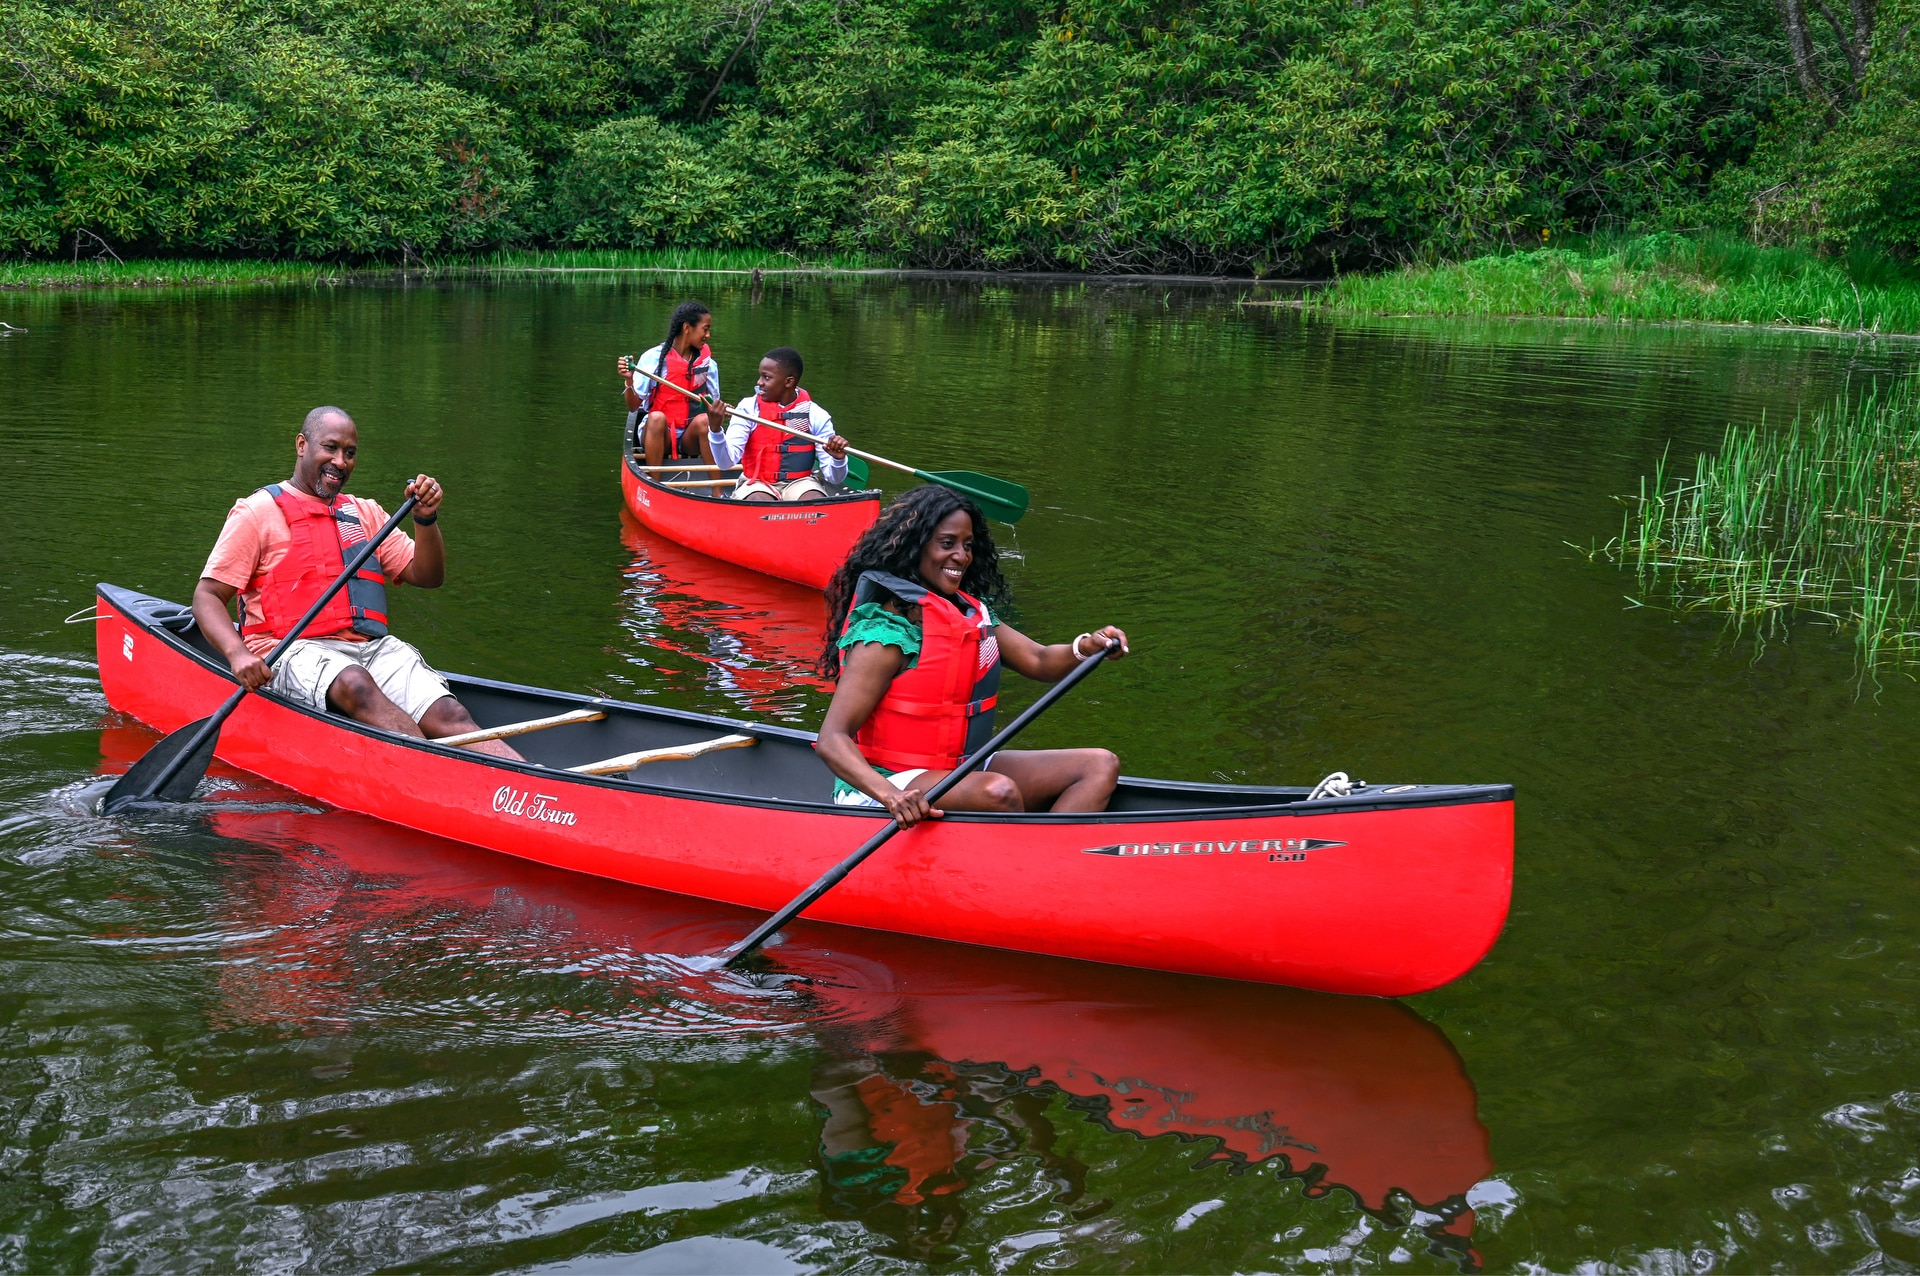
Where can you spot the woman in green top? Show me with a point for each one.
(919, 584)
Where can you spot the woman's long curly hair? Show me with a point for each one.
(893, 545)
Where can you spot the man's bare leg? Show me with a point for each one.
(356, 694)
(447, 716)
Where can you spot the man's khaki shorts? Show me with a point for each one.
(308, 669)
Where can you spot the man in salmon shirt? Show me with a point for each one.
(286, 543)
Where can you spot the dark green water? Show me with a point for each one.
(283, 1040)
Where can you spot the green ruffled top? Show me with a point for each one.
(872, 622)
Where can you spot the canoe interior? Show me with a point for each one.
(781, 768)
(636, 459)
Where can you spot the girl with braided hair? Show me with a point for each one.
(912, 638)
(670, 423)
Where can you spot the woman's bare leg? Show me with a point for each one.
(981, 791)
(1060, 780)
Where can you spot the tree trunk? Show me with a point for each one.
(1800, 41)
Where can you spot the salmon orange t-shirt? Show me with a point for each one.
(256, 538)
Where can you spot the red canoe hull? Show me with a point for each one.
(801, 541)
(1387, 900)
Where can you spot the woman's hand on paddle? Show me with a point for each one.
(1102, 637)
(626, 373)
(907, 806)
(427, 496)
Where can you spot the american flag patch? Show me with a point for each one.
(352, 531)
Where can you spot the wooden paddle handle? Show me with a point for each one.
(672, 753)
(520, 728)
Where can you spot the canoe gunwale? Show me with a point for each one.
(140, 610)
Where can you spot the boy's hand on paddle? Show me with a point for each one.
(626, 373)
(427, 496)
(836, 448)
(908, 807)
(250, 669)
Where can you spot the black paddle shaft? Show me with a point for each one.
(132, 787)
(831, 878)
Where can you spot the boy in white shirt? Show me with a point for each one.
(774, 459)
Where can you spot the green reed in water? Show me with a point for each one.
(1820, 518)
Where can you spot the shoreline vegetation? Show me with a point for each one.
(1820, 520)
(216, 272)
(1662, 277)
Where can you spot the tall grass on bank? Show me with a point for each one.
(725, 260)
(1705, 278)
(113, 273)
(1821, 519)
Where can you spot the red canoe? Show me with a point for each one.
(801, 541)
(1347, 1092)
(1393, 890)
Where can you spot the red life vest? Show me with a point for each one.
(674, 367)
(322, 535)
(773, 457)
(937, 712)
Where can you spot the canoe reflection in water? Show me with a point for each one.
(936, 1067)
(756, 637)
(953, 1068)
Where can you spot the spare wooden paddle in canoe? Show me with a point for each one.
(831, 878)
(520, 728)
(672, 753)
(732, 482)
(997, 498)
(690, 465)
(170, 771)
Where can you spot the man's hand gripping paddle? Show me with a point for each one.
(831, 878)
(997, 498)
(171, 769)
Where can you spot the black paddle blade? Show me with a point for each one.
(142, 782)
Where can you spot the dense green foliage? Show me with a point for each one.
(1104, 134)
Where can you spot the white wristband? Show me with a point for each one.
(1076, 647)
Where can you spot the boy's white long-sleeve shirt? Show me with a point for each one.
(728, 449)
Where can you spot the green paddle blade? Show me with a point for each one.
(997, 498)
(858, 475)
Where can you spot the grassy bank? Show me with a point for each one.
(111, 273)
(1819, 520)
(1653, 278)
(693, 260)
(162, 274)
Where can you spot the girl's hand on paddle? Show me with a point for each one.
(427, 494)
(1101, 637)
(908, 807)
(836, 448)
(250, 669)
